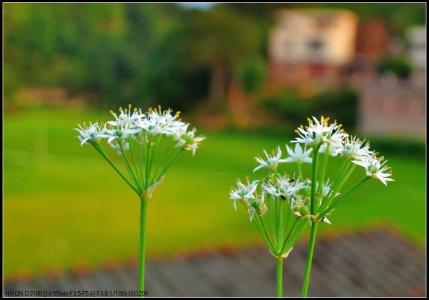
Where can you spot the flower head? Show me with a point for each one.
(298, 155)
(244, 192)
(355, 148)
(375, 167)
(89, 134)
(187, 139)
(271, 162)
(319, 132)
(283, 187)
(126, 117)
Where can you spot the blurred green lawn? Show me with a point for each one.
(63, 205)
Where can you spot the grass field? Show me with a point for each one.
(64, 206)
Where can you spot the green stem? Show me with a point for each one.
(128, 165)
(313, 231)
(107, 158)
(170, 162)
(338, 186)
(322, 174)
(344, 196)
(279, 277)
(299, 170)
(313, 178)
(143, 204)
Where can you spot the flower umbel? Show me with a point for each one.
(147, 144)
(280, 200)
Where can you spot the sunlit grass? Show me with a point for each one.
(63, 205)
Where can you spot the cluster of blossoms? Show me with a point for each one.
(139, 126)
(316, 197)
(273, 201)
(138, 137)
(332, 138)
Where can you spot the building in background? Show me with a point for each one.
(416, 36)
(311, 44)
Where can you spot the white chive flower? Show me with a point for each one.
(298, 155)
(354, 148)
(89, 134)
(243, 192)
(126, 117)
(319, 132)
(375, 167)
(271, 162)
(283, 187)
(187, 139)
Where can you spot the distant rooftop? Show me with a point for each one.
(371, 263)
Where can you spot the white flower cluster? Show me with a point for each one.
(253, 194)
(331, 138)
(298, 156)
(133, 124)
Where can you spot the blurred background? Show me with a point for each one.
(245, 74)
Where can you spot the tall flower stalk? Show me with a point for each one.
(329, 140)
(147, 144)
(275, 204)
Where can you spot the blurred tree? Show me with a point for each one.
(219, 39)
(397, 65)
(167, 80)
(126, 52)
(252, 74)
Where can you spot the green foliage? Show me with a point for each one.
(252, 74)
(398, 65)
(399, 146)
(338, 103)
(11, 81)
(166, 78)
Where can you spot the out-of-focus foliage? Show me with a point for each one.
(221, 40)
(119, 53)
(101, 50)
(400, 146)
(397, 65)
(252, 74)
(338, 103)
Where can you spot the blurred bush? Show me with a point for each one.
(397, 65)
(339, 103)
(11, 81)
(391, 145)
(252, 74)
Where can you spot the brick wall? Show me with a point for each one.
(392, 107)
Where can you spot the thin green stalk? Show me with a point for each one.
(322, 173)
(134, 162)
(172, 160)
(107, 158)
(148, 146)
(344, 196)
(143, 204)
(261, 232)
(288, 235)
(313, 231)
(281, 228)
(276, 224)
(279, 277)
(142, 152)
(128, 166)
(338, 187)
(313, 178)
(300, 170)
(270, 243)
